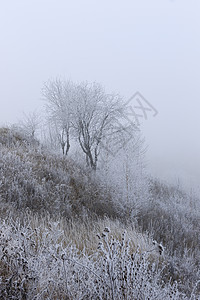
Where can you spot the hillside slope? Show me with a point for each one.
(64, 235)
(35, 178)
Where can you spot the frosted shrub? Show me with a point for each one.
(172, 217)
(129, 274)
(36, 263)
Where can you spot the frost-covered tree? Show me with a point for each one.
(30, 123)
(59, 96)
(82, 111)
(86, 113)
(95, 112)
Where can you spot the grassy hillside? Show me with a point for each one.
(67, 235)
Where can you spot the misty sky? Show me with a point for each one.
(150, 46)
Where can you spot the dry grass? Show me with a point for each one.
(49, 206)
(32, 261)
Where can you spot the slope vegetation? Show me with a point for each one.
(65, 235)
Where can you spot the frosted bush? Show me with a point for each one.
(36, 263)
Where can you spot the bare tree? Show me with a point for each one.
(30, 123)
(86, 113)
(94, 113)
(58, 95)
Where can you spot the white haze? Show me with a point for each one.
(151, 46)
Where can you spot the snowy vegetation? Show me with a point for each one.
(69, 231)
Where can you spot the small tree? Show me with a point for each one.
(31, 123)
(94, 113)
(59, 97)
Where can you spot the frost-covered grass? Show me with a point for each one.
(32, 177)
(173, 218)
(42, 258)
(67, 234)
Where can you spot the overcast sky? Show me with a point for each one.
(150, 46)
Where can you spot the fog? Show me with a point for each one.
(150, 46)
